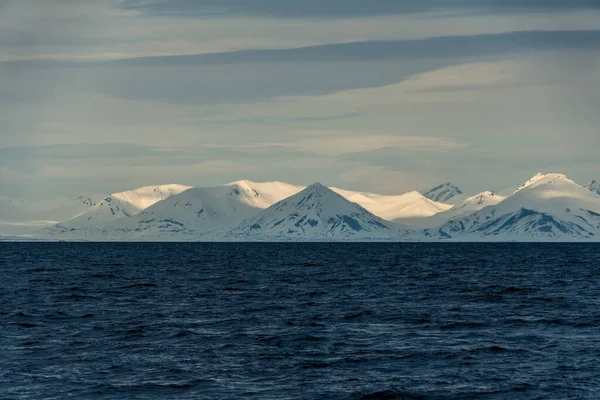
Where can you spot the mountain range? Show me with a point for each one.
(317, 212)
(548, 207)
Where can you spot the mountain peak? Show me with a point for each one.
(118, 205)
(320, 195)
(316, 213)
(316, 187)
(484, 197)
(594, 186)
(443, 193)
(541, 179)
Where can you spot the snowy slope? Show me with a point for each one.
(594, 187)
(446, 193)
(468, 206)
(399, 208)
(118, 205)
(189, 215)
(200, 211)
(547, 207)
(266, 193)
(316, 213)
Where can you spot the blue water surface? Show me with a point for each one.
(299, 321)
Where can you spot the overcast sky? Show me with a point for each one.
(98, 96)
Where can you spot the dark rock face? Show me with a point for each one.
(443, 193)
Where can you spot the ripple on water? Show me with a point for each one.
(301, 321)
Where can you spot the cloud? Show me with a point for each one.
(100, 30)
(161, 173)
(81, 159)
(326, 143)
(396, 99)
(247, 76)
(375, 96)
(466, 77)
(346, 8)
(13, 176)
(434, 47)
(106, 168)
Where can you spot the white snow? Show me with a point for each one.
(267, 193)
(316, 213)
(146, 196)
(112, 208)
(546, 207)
(201, 210)
(190, 214)
(468, 206)
(400, 207)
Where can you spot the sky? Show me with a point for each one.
(387, 96)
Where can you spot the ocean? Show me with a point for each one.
(299, 321)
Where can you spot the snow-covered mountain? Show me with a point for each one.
(446, 193)
(316, 213)
(199, 211)
(468, 206)
(594, 186)
(546, 207)
(477, 202)
(114, 207)
(408, 206)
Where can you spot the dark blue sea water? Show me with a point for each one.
(299, 321)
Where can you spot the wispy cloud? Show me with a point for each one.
(206, 91)
(346, 8)
(352, 142)
(433, 47)
(104, 30)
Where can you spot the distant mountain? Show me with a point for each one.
(445, 193)
(594, 186)
(411, 205)
(112, 208)
(199, 211)
(468, 206)
(546, 207)
(316, 213)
